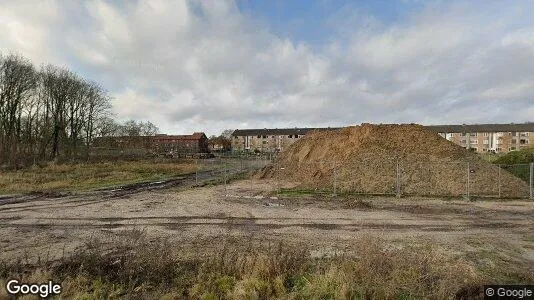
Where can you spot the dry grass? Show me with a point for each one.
(141, 269)
(66, 177)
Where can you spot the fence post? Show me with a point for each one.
(531, 181)
(225, 188)
(398, 181)
(468, 179)
(335, 181)
(281, 177)
(499, 180)
(196, 171)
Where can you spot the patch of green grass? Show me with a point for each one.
(490, 157)
(295, 193)
(83, 176)
(302, 192)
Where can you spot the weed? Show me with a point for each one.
(138, 267)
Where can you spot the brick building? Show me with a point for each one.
(162, 143)
(191, 143)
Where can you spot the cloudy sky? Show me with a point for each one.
(209, 65)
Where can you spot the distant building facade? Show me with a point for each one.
(124, 142)
(191, 143)
(480, 138)
(268, 140)
(488, 138)
(162, 143)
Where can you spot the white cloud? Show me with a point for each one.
(202, 65)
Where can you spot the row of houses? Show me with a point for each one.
(481, 138)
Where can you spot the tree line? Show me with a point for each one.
(51, 113)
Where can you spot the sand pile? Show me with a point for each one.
(365, 159)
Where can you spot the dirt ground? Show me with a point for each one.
(48, 227)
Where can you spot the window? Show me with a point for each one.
(296, 136)
(524, 134)
(464, 134)
(259, 136)
(514, 141)
(523, 141)
(511, 149)
(499, 133)
(486, 142)
(474, 149)
(473, 134)
(264, 142)
(264, 136)
(290, 136)
(486, 134)
(473, 142)
(498, 149)
(235, 137)
(513, 133)
(463, 141)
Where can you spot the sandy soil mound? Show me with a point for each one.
(365, 159)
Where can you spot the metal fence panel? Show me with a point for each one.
(468, 179)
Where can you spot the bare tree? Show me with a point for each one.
(227, 133)
(46, 113)
(149, 129)
(17, 82)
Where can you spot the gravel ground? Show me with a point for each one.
(50, 226)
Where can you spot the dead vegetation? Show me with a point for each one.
(140, 268)
(81, 176)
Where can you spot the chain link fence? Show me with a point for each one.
(222, 169)
(470, 179)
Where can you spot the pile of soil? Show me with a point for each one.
(365, 159)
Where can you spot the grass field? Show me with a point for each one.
(69, 177)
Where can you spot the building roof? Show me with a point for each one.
(521, 127)
(194, 136)
(276, 131)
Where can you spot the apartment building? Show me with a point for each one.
(268, 140)
(488, 138)
(481, 138)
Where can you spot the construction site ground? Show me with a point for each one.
(50, 226)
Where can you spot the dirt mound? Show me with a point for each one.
(366, 159)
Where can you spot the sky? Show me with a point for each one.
(211, 65)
